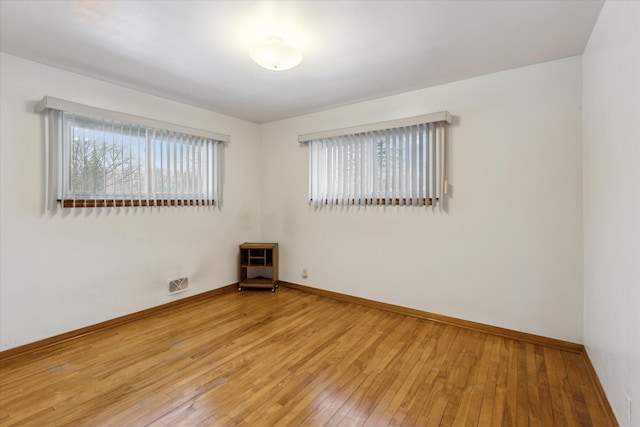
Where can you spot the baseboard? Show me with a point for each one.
(467, 324)
(602, 396)
(72, 335)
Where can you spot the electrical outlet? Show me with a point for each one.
(304, 273)
(627, 407)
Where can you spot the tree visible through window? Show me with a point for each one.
(105, 158)
(397, 166)
(111, 163)
(100, 166)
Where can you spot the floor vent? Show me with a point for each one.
(178, 285)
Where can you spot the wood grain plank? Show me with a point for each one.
(544, 396)
(559, 404)
(500, 399)
(531, 373)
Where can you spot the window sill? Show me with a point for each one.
(120, 203)
(383, 202)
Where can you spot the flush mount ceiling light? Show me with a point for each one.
(274, 54)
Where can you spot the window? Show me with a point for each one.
(392, 163)
(114, 160)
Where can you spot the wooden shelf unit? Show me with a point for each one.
(262, 256)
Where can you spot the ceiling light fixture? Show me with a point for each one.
(274, 54)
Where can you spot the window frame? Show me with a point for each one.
(209, 146)
(414, 172)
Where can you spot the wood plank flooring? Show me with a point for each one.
(292, 358)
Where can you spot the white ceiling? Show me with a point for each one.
(196, 52)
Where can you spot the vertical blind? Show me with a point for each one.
(105, 162)
(403, 165)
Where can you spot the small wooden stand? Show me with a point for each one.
(263, 257)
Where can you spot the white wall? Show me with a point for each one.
(509, 250)
(612, 203)
(507, 253)
(68, 270)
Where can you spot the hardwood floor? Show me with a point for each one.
(292, 358)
